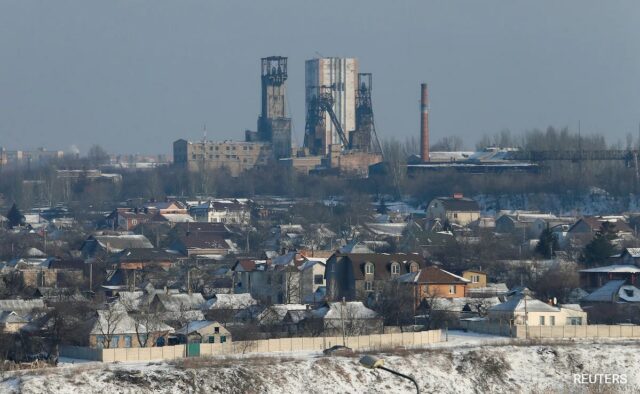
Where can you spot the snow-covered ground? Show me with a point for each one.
(467, 363)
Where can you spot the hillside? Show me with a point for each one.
(466, 369)
(596, 202)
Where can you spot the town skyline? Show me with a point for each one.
(489, 68)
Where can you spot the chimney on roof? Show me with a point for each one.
(424, 123)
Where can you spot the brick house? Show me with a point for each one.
(356, 276)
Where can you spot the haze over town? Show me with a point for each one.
(363, 196)
(134, 78)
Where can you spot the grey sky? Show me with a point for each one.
(135, 75)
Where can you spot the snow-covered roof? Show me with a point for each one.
(177, 217)
(517, 304)
(348, 310)
(195, 326)
(633, 252)
(179, 302)
(34, 252)
(355, 247)
(7, 317)
(393, 229)
(19, 305)
(230, 301)
(277, 312)
(629, 293)
(619, 268)
(117, 321)
(605, 293)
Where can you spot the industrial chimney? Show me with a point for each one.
(424, 123)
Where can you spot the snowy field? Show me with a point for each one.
(467, 363)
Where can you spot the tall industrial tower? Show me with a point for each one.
(332, 80)
(273, 124)
(364, 137)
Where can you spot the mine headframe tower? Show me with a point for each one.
(273, 124)
(364, 137)
(314, 137)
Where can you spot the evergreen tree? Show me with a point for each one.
(600, 248)
(16, 218)
(547, 244)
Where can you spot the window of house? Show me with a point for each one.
(395, 268)
(216, 330)
(99, 341)
(628, 292)
(574, 321)
(212, 339)
(318, 279)
(452, 289)
(115, 341)
(368, 268)
(475, 278)
(413, 267)
(127, 341)
(368, 286)
(217, 148)
(244, 148)
(542, 320)
(455, 215)
(552, 320)
(223, 339)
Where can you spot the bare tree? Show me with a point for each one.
(108, 322)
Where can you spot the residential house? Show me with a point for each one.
(522, 309)
(127, 218)
(105, 243)
(476, 279)
(284, 318)
(583, 231)
(203, 331)
(165, 208)
(526, 224)
(348, 318)
(222, 211)
(457, 209)
(433, 282)
(629, 256)
(277, 280)
(204, 244)
(312, 281)
(357, 276)
(202, 239)
(51, 272)
(140, 258)
(15, 314)
(613, 291)
(115, 328)
(592, 278)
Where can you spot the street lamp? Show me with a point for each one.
(374, 362)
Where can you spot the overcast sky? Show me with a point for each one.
(133, 75)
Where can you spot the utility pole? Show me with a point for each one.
(343, 304)
(526, 315)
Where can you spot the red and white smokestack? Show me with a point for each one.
(424, 123)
